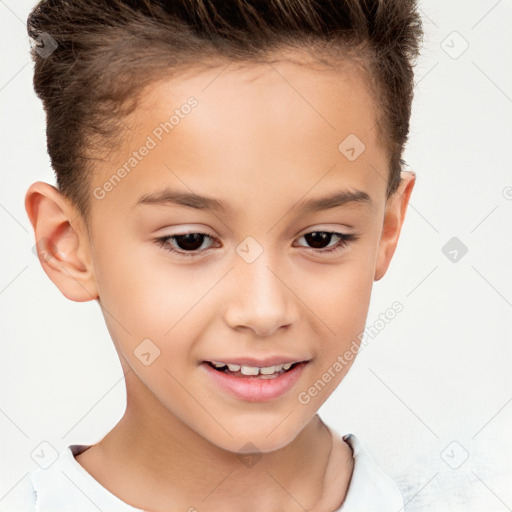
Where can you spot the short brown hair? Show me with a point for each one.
(108, 50)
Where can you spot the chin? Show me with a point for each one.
(255, 436)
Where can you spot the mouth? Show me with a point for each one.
(249, 371)
(251, 382)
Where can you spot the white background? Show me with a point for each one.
(432, 388)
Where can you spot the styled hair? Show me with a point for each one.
(93, 59)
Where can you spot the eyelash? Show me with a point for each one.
(344, 241)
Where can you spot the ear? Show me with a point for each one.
(394, 216)
(62, 241)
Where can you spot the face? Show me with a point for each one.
(276, 266)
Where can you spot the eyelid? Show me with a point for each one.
(328, 228)
(183, 229)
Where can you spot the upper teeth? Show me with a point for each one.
(253, 370)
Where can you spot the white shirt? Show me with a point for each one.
(67, 487)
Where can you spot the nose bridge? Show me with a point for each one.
(258, 298)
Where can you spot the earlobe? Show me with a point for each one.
(393, 221)
(61, 241)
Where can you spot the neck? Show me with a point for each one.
(151, 459)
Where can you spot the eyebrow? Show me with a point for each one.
(190, 200)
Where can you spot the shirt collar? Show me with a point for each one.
(370, 488)
(66, 485)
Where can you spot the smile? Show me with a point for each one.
(253, 383)
(266, 372)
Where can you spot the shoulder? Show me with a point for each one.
(21, 497)
(370, 487)
(33, 491)
(62, 486)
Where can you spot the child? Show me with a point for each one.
(272, 133)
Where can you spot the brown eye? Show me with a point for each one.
(188, 244)
(319, 241)
(190, 241)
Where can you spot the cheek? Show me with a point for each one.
(145, 291)
(341, 300)
(342, 307)
(340, 293)
(152, 298)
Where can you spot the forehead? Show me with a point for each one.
(292, 91)
(273, 127)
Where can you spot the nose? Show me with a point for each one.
(259, 298)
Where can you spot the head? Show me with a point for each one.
(292, 119)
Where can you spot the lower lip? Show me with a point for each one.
(254, 389)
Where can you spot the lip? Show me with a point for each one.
(254, 389)
(260, 363)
